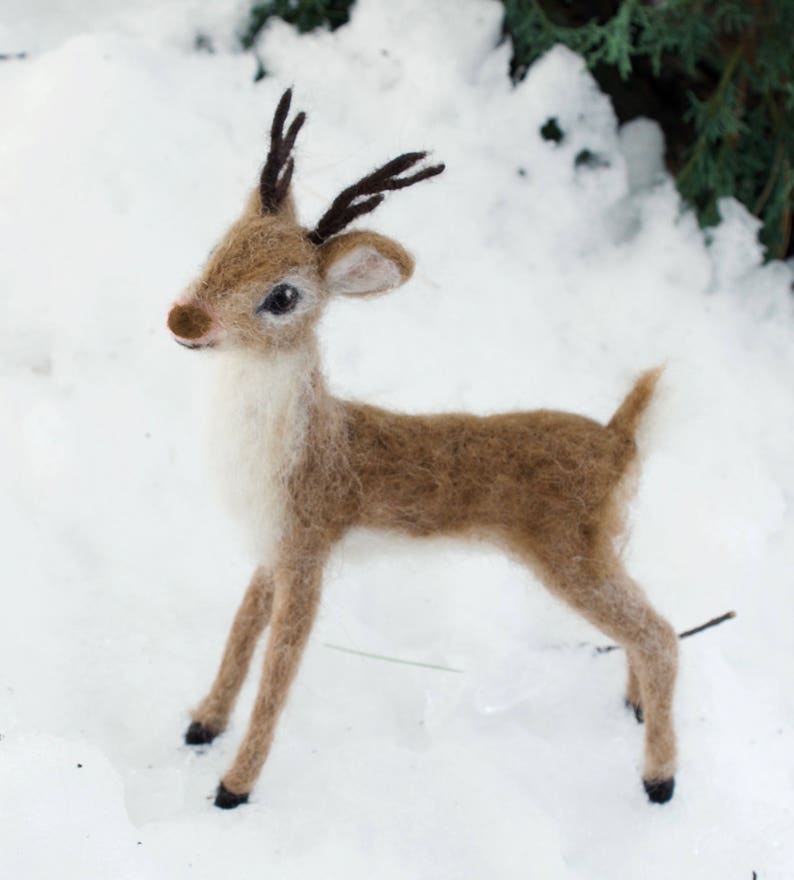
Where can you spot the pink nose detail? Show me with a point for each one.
(189, 322)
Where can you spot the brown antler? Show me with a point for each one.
(277, 173)
(345, 207)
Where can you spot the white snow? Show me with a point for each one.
(539, 283)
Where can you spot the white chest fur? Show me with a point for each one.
(259, 418)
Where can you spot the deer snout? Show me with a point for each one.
(191, 325)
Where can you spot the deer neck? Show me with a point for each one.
(262, 411)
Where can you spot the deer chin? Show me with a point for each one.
(195, 345)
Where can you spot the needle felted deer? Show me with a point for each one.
(304, 467)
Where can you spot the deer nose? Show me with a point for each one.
(189, 322)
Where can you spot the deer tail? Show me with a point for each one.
(629, 413)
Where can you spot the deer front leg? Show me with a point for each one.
(212, 714)
(296, 599)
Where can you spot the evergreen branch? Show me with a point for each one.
(786, 219)
(766, 192)
(713, 104)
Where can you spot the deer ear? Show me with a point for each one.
(364, 263)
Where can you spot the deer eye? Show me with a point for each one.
(282, 299)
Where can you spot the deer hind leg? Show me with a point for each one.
(212, 714)
(295, 606)
(633, 695)
(606, 596)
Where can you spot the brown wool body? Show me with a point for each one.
(549, 487)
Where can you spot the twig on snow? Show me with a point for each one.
(715, 621)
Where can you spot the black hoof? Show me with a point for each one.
(199, 735)
(637, 710)
(228, 800)
(659, 791)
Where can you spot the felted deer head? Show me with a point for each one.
(304, 467)
(266, 283)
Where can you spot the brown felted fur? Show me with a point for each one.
(251, 619)
(546, 486)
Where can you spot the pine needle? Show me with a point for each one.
(390, 659)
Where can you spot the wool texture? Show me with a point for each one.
(251, 619)
(303, 468)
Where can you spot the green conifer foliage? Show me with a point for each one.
(718, 76)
